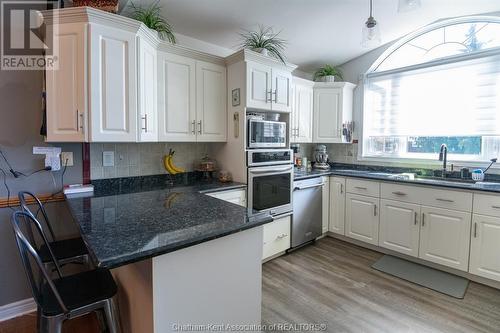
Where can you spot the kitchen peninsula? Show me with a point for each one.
(178, 255)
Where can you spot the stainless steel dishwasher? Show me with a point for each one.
(307, 210)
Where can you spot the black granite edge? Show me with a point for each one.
(447, 183)
(110, 264)
(128, 185)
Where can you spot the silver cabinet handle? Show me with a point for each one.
(398, 193)
(496, 207)
(444, 200)
(341, 188)
(145, 118)
(81, 121)
(298, 132)
(360, 187)
(475, 230)
(270, 99)
(281, 236)
(416, 218)
(423, 219)
(374, 210)
(199, 127)
(193, 123)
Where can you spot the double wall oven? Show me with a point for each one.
(270, 181)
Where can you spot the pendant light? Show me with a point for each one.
(371, 31)
(408, 5)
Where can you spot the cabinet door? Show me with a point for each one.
(325, 195)
(281, 91)
(176, 98)
(327, 114)
(211, 114)
(113, 86)
(337, 205)
(304, 113)
(148, 90)
(362, 218)
(399, 226)
(445, 237)
(66, 89)
(485, 247)
(258, 86)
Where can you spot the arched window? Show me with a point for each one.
(437, 85)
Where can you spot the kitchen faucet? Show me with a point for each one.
(443, 155)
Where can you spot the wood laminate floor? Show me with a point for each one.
(332, 283)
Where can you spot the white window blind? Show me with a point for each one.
(457, 99)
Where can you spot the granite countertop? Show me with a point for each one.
(129, 226)
(388, 175)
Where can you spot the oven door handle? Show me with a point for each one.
(298, 188)
(270, 170)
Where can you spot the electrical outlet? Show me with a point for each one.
(108, 158)
(67, 158)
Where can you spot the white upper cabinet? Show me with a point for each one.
(176, 98)
(113, 86)
(399, 226)
(66, 88)
(281, 93)
(268, 87)
(148, 91)
(302, 111)
(445, 237)
(333, 107)
(259, 83)
(211, 111)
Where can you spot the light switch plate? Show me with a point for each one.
(67, 158)
(108, 158)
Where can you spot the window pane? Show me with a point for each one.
(470, 145)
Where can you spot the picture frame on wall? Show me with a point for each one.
(235, 96)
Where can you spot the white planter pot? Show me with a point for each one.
(329, 78)
(262, 51)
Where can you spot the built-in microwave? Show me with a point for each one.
(266, 133)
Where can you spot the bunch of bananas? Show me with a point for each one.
(168, 163)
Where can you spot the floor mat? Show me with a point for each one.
(431, 278)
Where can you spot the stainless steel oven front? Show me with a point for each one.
(266, 134)
(270, 189)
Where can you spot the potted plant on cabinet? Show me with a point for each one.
(264, 41)
(152, 18)
(328, 73)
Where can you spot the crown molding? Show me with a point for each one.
(334, 85)
(249, 55)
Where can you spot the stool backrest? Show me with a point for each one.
(33, 265)
(40, 210)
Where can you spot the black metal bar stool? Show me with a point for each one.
(66, 251)
(65, 297)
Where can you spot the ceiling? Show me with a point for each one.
(317, 31)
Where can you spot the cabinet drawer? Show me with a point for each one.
(487, 204)
(363, 187)
(447, 199)
(276, 237)
(404, 193)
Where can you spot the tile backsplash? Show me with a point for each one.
(337, 152)
(143, 159)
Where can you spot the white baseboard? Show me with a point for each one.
(17, 309)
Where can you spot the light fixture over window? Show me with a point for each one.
(371, 31)
(408, 5)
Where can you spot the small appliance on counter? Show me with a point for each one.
(207, 167)
(321, 158)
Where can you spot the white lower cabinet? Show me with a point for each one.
(276, 237)
(362, 218)
(399, 226)
(234, 196)
(485, 247)
(337, 205)
(445, 237)
(325, 195)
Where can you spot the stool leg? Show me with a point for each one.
(112, 315)
(51, 324)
